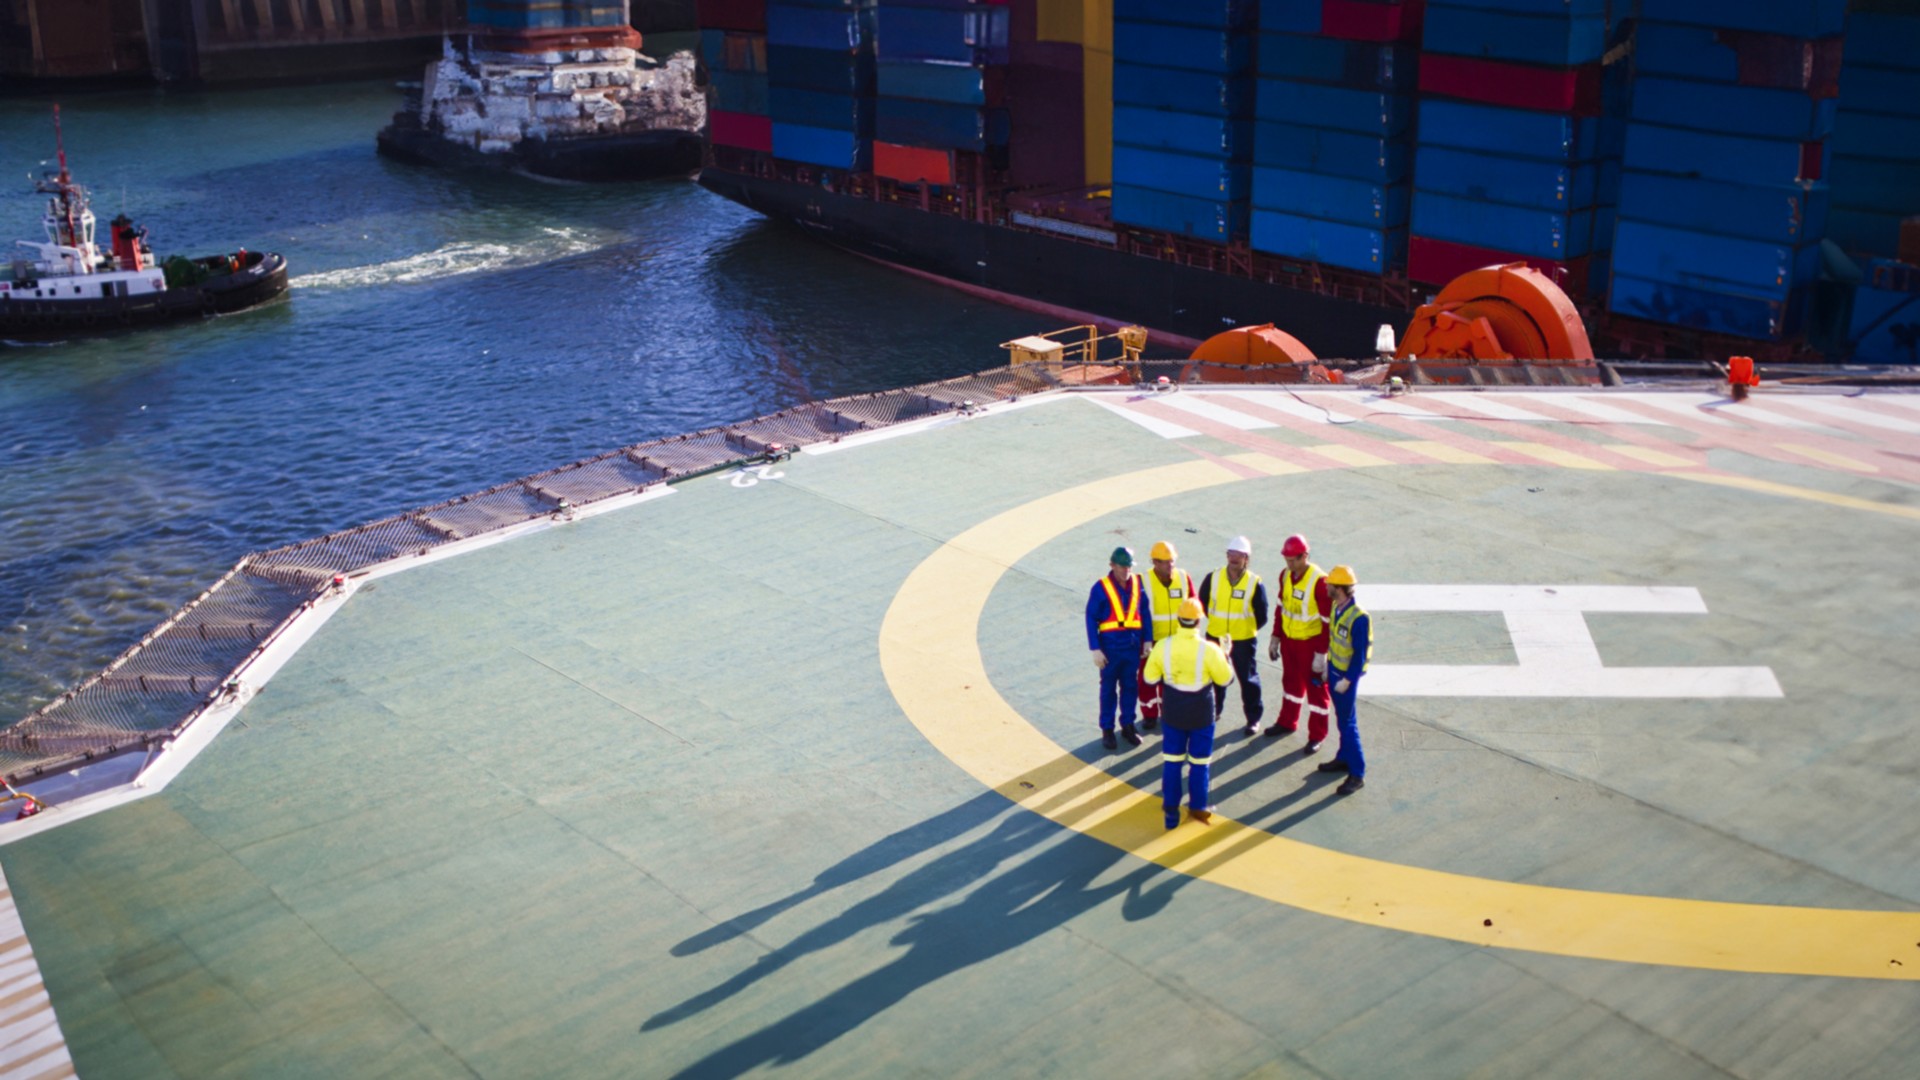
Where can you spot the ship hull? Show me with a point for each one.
(250, 287)
(643, 155)
(1038, 270)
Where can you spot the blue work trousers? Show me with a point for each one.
(1119, 681)
(1246, 670)
(1192, 751)
(1347, 721)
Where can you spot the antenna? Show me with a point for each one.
(60, 144)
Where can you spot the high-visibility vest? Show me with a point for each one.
(1166, 601)
(1300, 614)
(1230, 607)
(1340, 648)
(1122, 618)
(1188, 668)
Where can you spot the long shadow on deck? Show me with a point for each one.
(1003, 907)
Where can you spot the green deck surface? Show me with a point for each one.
(631, 797)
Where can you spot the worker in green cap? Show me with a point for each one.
(1118, 641)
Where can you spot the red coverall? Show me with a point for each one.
(1298, 685)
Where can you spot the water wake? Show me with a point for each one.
(454, 260)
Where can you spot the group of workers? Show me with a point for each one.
(1146, 636)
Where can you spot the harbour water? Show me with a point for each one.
(445, 332)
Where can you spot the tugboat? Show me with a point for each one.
(67, 284)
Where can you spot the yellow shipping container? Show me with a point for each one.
(1089, 24)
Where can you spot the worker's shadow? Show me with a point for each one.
(1021, 878)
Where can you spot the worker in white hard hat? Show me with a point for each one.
(1300, 644)
(1167, 587)
(1236, 605)
(1189, 669)
(1350, 644)
(1118, 640)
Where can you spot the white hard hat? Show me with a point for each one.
(1240, 544)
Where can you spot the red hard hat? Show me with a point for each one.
(1295, 546)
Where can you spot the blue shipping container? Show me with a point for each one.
(1212, 14)
(970, 36)
(1734, 110)
(1881, 90)
(1883, 39)
(1328, 242)
(1791, 214)
(1331, 153)
(1181, 174)
(1725, 312)
(1201, 218)
(822, 146)
(813, 109)
(1187, 133)
(1791, 18)
(1545, 234)
(1524, 133)
(1290, 16)
(1188, 48)
(1473, 175)
(1863, 134)
(1736, 158)
(1864, 232)
(1891, 187)
(1885, 328)
(1361, 65)
(1181, 91)
(937, 125)
(1363, 112)
(1330, 198)
(820, 69)
(1707, 260)
(819, 28)
(1554, 40)
(740, 92)
(933, 80)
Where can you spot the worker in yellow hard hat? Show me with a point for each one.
(1167, 587)
(1188, 668)
(1236, 604)
(1350, 642)
(1118, 640)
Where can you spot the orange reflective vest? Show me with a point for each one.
(1127, 617)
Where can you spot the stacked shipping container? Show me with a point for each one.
(1182, 97)
(733, 47)
(1724, 202)
(1876, 178)
(1333, 118)
(1514, 162)
(820, 79)
(942, 87)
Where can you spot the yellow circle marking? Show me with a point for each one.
(930, 653)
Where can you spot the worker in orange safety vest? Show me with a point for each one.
(1117, 636)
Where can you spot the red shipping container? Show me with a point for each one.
(1516, 86)
(1910, 241)
(1786, 63)
(1359, 20)
(912, 164)
(1436, 262)
(732, 15)
(744, 130)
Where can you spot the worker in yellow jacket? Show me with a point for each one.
(1187, 667)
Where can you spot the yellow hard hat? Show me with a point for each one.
(1191, 611)
(1342, 575)
(1164, 550)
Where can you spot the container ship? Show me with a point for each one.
(1701, 177)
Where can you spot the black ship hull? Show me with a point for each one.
(262, 278)
(1069, 278)
(641, 155)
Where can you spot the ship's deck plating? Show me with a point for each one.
(797, 769)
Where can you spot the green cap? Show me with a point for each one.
(1123, 556)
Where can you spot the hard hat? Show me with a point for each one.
(1191, 611)
(1240, 544)
(1295, 546)
(1164, 550)
(1342, 575)
(1123, 556)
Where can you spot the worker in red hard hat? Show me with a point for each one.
(1119, 642)
(1236, 604)
(1167, 587)
(1300, 644)
(1190, 668)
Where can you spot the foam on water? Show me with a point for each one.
(454, 259)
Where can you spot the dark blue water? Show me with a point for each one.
(445, 332)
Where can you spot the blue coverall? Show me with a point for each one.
(1119, 691)
(1361, 636)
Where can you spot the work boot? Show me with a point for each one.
(1333, 766)
(1204, 817)
(1132, 736)
(1352, 785)
(1107, 740)
(1253, 729)
(1276, 731)
(1311, 749)
(1173, 819)
(1149, 725)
